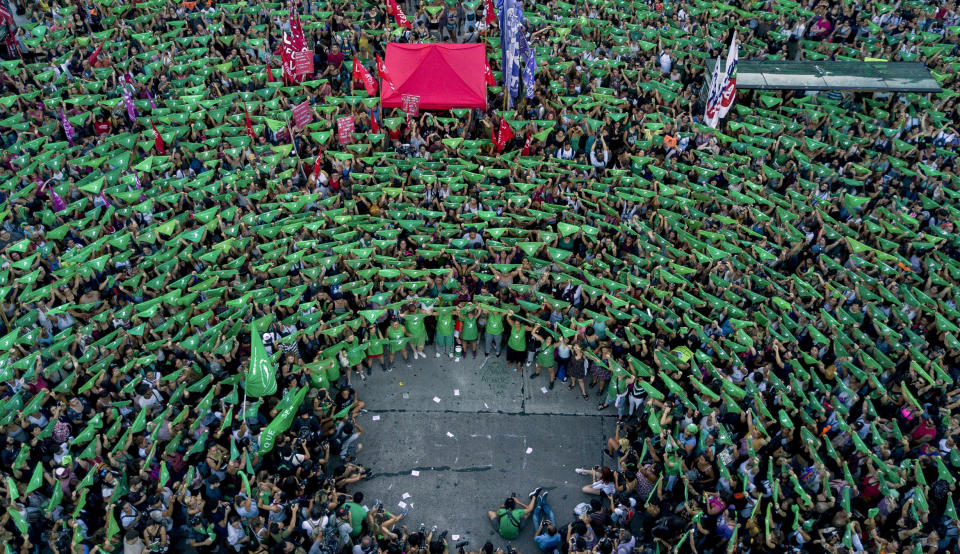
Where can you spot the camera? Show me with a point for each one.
(406, 150)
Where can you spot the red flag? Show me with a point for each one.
(384, 75)
(288, 56)
(374, 127)
(316, 165)
(286, 59)
(489, 14)
(504, 136)
(398, 15)
(360, 73)
(249, 124)
(5, 16)
(92, 58)
(488, 73)
(296, 30)
(270, 77)
(157, 139)
(526, 145)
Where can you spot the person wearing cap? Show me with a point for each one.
(342, 524)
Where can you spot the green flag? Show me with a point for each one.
(18, 520)
(36, 481)
(261, 376)
(282, 421)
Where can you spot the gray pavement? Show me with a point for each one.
(452, 440)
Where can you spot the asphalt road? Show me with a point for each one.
(451, 440)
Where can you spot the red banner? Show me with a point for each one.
(345, 129)
(410, 104)
(302, 115)
(303, 62)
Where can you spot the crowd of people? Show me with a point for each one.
(768, 308)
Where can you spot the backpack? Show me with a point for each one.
(283, 466)
(61, 431)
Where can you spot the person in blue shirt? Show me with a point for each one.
(547, 537)
(688, 439)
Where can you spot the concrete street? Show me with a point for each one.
(452, 440)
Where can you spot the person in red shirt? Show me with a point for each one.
(925, 431)
(335, 56)
(102, 125)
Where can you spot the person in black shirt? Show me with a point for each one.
(347, 398)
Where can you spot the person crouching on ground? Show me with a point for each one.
(509, 518)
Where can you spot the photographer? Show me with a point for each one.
(547, 536)
(509, 518)
(382, 523)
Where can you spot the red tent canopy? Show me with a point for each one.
(444, 75)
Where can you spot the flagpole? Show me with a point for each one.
(293, 141)
(243, 410)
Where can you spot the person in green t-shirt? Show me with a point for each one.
(443, 337)
(416, 330)
(545, 355)
(517, 342)
(397, 337)
(469, 332)
(493, 333)
(509, 518)
(358, 514)
(352, 356)
(374, 341)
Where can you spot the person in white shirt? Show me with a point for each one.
(599, 157)
(316, 522)
(473, 238)
(269, 338)
(236, 535)
(666, 62)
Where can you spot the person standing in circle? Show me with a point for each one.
(545, 357)
(493, 333)
(416, 330)
(397, 336)
(443, 337)
(469, 332)
(517, 343)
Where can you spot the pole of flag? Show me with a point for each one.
(293, 141)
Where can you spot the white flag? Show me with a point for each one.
(729, 94)
(711, 114)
